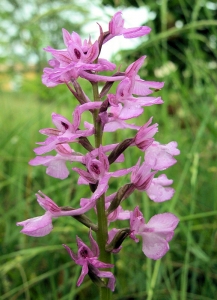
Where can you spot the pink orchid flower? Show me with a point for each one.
(132, 84)
(66, 131)
(132, 107)
(136, 85)
(41, 226)
(116, 27)
(155, 234)
(98, 173)
(88, 259)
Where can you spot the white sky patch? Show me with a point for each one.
(211, 5)
(118, 43)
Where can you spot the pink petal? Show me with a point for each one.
(163, 224)
(144, 137)
(136, 32)
(160, 157)
(172, 148)
(92, 53)
(61, 122)
(75, 212)
(105, 65)
(130, 110)
(116, 24)
(96, 78)
(65, 150)
(110, 276)
(149, 101)
(47, 148)
(124, 89)
(113, 126)
(85, 175)
(158, 192)
(94, 245)
(57, 169)
(40, 160)
(84, 272)
(82, 181)
(39, 226)
(133, 69)
(101, 188)
(46, 203)
(103, 159)
(154, 246)
(142, 87)
(137, 221)
(122, 172)
(66, 37)
(71, 253)
(119, 214)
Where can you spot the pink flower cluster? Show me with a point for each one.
(113, 111)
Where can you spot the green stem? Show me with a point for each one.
(102, 236)
(102, 232)
(97, 125)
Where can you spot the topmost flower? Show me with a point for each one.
(116, 27)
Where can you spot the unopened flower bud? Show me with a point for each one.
(85, 143)
(123, 193)
(118, 239)
(119, 149)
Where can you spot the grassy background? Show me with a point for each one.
(39, 268)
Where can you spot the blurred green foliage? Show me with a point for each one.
(179, 29)
(39, 268)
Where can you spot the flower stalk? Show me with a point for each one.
(102, 232)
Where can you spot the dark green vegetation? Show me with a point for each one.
(39, 268)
